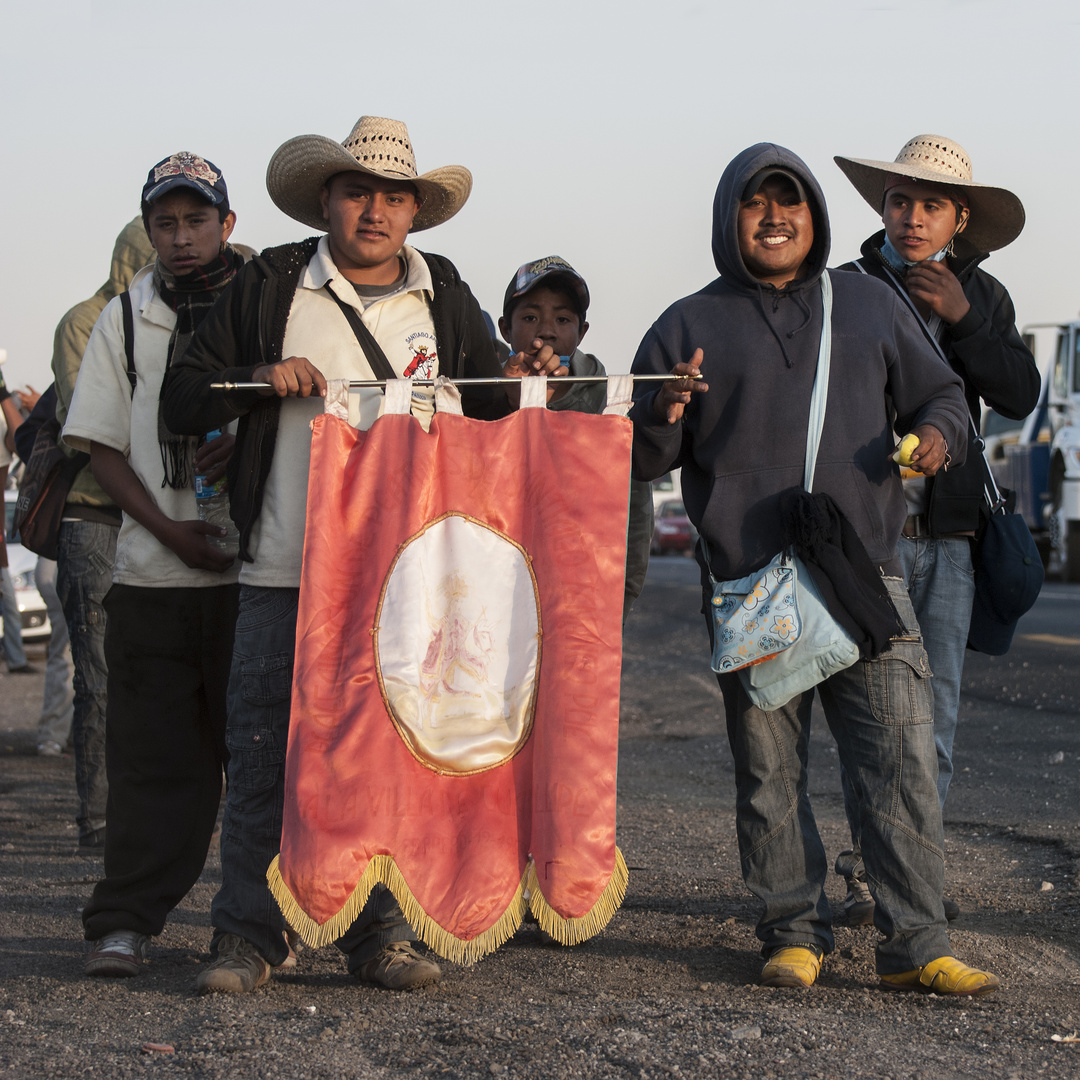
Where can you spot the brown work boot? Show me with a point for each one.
(238, 969)
(398, 966)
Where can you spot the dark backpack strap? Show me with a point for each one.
(375, 356)
(129, 339)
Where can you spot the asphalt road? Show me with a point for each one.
(669, 988)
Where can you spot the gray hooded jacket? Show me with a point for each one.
(744, 441)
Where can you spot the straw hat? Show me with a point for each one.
(997, 215)
(377, 146)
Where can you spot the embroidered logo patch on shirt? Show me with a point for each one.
(425, 361)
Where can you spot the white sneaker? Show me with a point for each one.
(119, 954)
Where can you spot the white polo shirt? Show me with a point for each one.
(104, 411)
(318, 330)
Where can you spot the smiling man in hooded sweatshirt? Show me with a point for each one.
(740, 433)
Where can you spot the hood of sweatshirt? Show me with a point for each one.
(789, 311)
(131, 252)
(725, 237)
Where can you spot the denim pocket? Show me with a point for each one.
(958, 554)
(898, 684)
(266, 680)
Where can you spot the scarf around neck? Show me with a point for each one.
(191, 296)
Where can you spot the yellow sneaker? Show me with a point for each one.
(945, 975)
(793, 966)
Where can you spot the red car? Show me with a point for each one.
(673, 531)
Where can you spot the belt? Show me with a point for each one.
(917, 527)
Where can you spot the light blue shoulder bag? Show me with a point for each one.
(773, 626)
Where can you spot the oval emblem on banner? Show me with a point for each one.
(457, 645)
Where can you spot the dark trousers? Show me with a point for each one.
(168, 652)
(260, 704)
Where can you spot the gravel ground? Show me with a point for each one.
(667, 990)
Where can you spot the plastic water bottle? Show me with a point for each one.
(212, 503)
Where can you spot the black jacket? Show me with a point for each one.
(246, 329)
(985, 349)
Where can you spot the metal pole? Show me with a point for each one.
(361, 384)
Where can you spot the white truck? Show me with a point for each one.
(1041, 460)
(1063, 481)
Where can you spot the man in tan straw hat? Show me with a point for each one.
(355, 303)
(939, 226)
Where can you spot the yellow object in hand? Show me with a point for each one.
(907, 447)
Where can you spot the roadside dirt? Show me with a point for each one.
(668, 989)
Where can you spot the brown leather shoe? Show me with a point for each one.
(399, 966)
(238, 969)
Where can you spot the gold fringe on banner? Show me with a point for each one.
(575, 931)
(382, 869)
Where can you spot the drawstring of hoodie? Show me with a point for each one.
(778, 295)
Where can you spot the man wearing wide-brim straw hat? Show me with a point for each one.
(356, 303)
(939, 226)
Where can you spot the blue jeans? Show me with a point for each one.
(879, 712)
(14, 654)
(85, 554)
(57, 706)
(941, 583)
(257, 734)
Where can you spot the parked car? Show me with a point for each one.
(666, 488)
(21, 563)
(672, 531)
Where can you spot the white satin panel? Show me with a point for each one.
(457, 646)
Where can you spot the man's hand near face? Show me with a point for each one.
(295, 376)
(933, 286)
(673, 397)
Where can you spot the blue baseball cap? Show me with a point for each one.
(546, 271)
(184, 169)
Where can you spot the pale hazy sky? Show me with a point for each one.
(596, 132)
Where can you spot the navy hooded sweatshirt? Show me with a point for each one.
(743, 442)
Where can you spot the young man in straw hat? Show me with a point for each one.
(757, 334)
(939, 226)
(296, 316)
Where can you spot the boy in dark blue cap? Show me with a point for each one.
(545, 304)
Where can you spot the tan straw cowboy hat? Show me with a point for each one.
(377, 146)
(997, 215)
